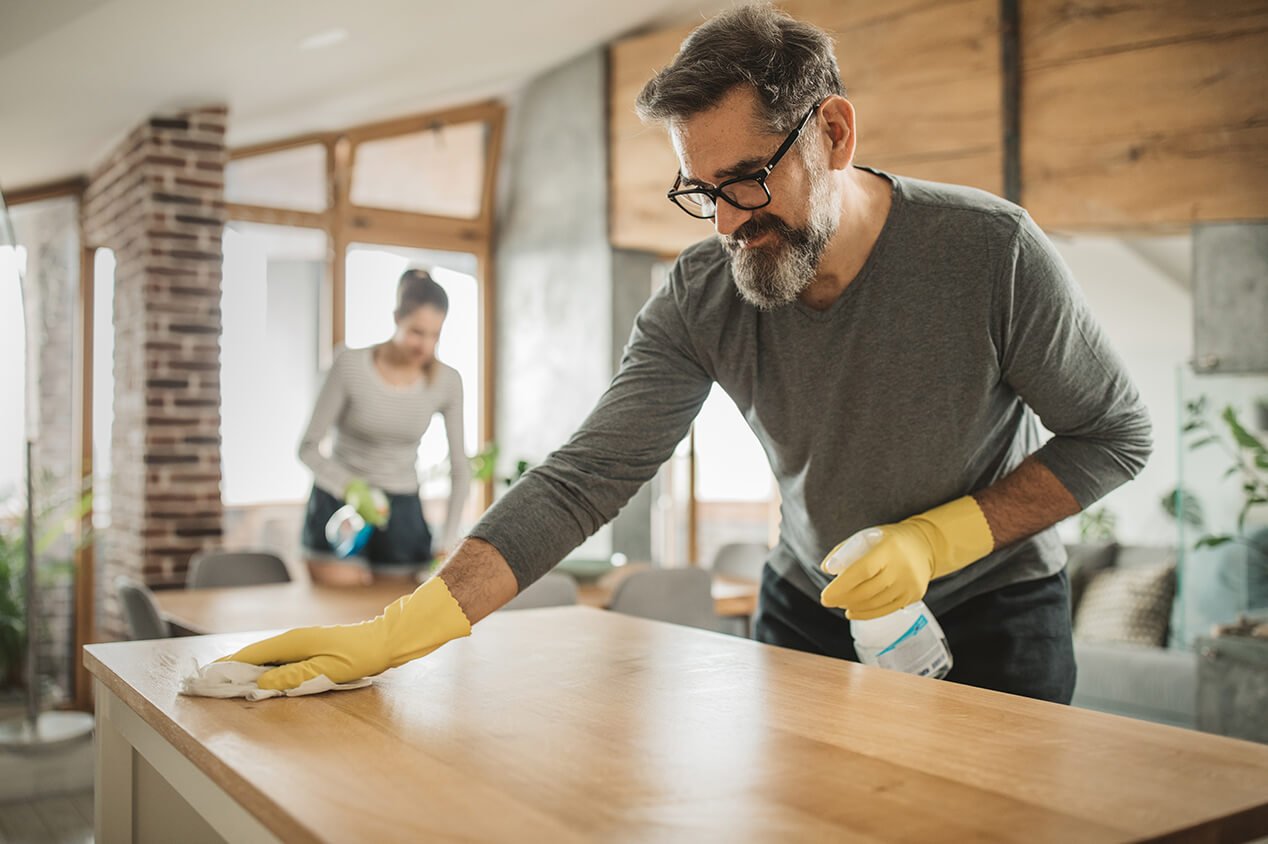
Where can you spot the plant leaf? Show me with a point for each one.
(1213, 541)
(1244, 438)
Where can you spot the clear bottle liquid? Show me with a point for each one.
(909, 639)
(347, 532)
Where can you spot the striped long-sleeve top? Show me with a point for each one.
(377, 427)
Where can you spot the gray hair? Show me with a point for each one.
(790, 65)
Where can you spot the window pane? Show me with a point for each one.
(12, 382)
(440, 171)
(293, 179)
(734, 486)
(102, 383)
(270, 347)
(372, 274)
(48, 231)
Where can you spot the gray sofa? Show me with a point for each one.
(1155, 684)
(1139, 681)
(1216, 586)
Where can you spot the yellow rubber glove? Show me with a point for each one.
(371, 504)
(410, 627)
(897, 571)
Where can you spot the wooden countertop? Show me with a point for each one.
(572, 724)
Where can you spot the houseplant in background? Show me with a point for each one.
(1248, 461)
(1233, 665)
(1097, 525)
(60, 521)
(12, 610)
(484, 466)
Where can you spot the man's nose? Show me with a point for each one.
(729, 218)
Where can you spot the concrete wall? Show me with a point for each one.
(565, 301)
(631, 285)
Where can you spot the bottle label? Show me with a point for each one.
(919, 651)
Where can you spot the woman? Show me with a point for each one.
(380, 402)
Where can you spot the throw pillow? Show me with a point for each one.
(1130, 605)
(1084, 561)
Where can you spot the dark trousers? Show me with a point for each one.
(1016, 639)
(404, 540)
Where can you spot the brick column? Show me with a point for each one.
(158, 202)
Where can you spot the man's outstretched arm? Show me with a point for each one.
(479, 578)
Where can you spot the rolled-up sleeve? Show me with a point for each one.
(1055, 356)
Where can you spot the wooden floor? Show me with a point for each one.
(61, 819)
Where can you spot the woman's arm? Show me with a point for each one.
(331, 399)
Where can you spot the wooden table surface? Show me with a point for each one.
(300, 603)
(571, 724)
(296, 604)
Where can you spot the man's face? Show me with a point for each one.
(774, 250)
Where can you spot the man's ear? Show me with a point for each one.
(836, 123)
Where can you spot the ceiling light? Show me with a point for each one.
(329, 38)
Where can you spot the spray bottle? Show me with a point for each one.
(908, 639)
(347, 531)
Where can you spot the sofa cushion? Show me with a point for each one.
(1130, 605)
(1084, 561)
(1156, 684)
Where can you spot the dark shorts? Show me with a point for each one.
(1016, 639)
(404, 542)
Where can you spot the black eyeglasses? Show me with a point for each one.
(747, 193)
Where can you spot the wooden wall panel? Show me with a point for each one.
(641, 163)
(937, 117)
(1144, 116)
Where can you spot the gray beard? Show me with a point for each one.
(770, 277)
(774, 275)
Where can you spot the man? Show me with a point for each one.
(889, 342)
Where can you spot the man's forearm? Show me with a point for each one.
(479, 578)
(1024, 502)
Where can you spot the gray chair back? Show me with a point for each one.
(679, 596)
(553, 590)
(212, 569)
(139, 610)
(741, 560)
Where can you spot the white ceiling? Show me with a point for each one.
(77, 75)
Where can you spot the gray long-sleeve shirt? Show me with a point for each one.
(917, 386)
(377, 427)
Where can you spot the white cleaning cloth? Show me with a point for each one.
(238, 679)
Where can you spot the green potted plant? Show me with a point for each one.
(1233, 663)
(12, 614)
(1097, 525)
(59, 521)
(1248, 461)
